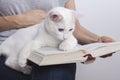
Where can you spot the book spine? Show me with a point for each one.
(36, 58)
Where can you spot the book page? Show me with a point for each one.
(105, 50)
(50, 50)
(94, 46)
(87, 47)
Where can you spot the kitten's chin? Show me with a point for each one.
(61, 39)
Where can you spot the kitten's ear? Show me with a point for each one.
(55, 16)
(77, 14)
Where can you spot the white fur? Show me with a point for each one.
(18, 47)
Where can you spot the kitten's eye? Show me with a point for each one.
(61, 30)
(70, 29)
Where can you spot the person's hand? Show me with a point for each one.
(31, 17)
(35, 16)
(106, 39)
(89, 60)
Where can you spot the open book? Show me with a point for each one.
(53, 56)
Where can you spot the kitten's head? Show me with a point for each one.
(60, 22)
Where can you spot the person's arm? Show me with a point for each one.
(82, 34)
(21, 20)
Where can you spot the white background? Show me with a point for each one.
(103, 18)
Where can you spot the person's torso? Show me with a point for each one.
(14, 7)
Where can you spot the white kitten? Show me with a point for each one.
(55, 31)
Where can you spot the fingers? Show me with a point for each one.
(106, 39)
(90, 59)
(105, 56)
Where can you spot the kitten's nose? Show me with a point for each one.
(64, 37)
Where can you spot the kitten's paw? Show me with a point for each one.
(22, 63)
(65, 47)
(27, 69)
